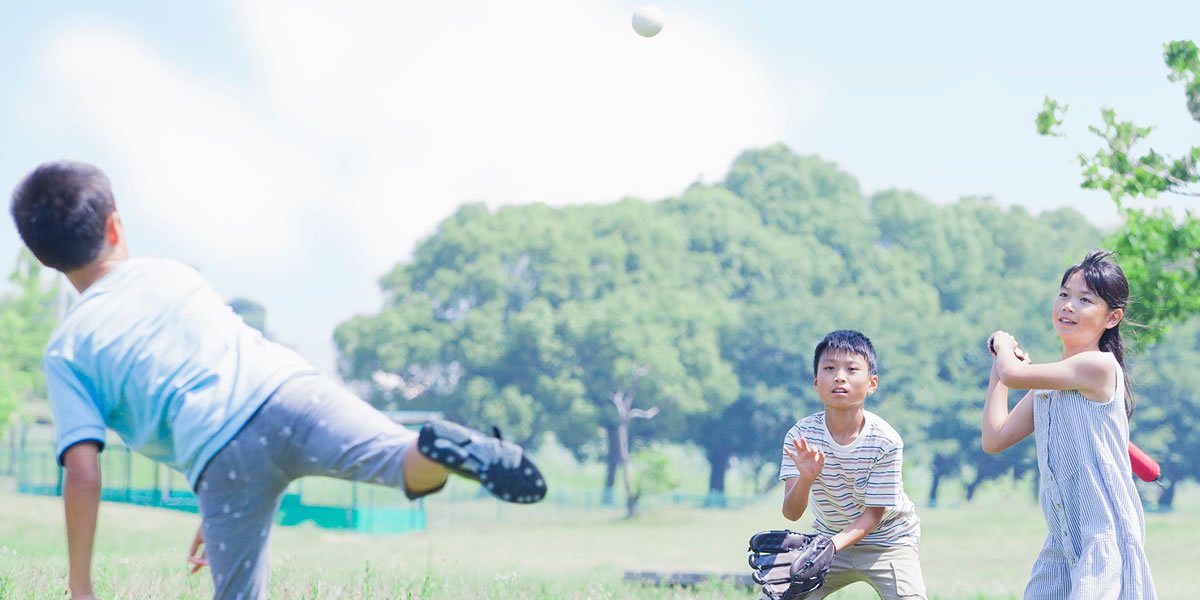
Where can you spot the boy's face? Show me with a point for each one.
(843, 379)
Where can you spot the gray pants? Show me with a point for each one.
(310, 426)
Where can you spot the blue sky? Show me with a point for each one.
(295, 151)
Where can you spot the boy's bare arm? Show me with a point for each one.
(864, 524)
(81, 499)
(795, 497)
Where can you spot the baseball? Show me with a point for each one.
(647, 21)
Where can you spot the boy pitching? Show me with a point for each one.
(848, 460)
(150, 351)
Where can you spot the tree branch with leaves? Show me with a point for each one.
(1159, 251)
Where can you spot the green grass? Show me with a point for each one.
(979, 551)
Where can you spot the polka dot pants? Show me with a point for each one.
(310, 426)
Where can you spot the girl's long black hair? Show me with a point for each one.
(1106, 279)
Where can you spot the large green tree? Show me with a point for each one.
(535, 318)
(928, 288)
(538, 318)
(758, 241)
(992, 268)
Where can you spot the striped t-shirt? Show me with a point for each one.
(864, 473)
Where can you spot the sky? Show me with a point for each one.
(295, 152)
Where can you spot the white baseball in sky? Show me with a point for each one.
(647, 20)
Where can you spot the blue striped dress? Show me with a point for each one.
(1095, 548)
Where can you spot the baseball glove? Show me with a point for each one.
(790, 565)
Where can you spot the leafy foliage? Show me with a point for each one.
(534, 318)
(27, 317)
(1165, 426)
(1159, 251)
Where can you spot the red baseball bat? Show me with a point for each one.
(1143, 466)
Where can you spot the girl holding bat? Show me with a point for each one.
(1078, 409)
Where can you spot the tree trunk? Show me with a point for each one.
(630, 496)
(718, 461)
(933, 486)
(612, 461)
(623, 401)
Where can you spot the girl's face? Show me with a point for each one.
(1080, 315)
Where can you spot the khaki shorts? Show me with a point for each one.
(893, 572)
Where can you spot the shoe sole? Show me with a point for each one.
(442, 443)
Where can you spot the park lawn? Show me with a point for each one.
(977, 551)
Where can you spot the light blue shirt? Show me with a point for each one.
(153, 353)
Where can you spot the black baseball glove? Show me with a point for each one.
(790, 565)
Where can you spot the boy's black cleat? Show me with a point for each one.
(500, 467)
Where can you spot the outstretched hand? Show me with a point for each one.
(808, 461)
(197, 557)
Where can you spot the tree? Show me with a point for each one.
(769, 252)
(535, 318)
(623, 401)
(532, 318)
(1159, 252)
(1167, 387)
(27, 317)
(804, 195)
(989, 268)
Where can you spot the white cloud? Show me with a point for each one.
(367, 123)
(204, 167)
(432, 104)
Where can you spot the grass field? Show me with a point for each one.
(979, 551)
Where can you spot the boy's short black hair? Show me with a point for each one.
(849, 342)
(60, 210)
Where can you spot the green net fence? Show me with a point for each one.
(129, 477)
